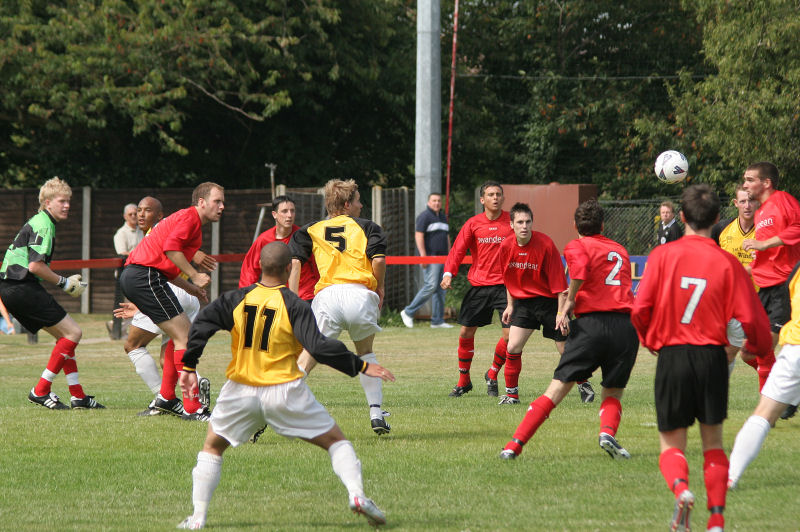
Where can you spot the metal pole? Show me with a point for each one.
(428, 137)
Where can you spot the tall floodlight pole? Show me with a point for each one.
(428, 139)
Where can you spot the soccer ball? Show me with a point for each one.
(672, 167)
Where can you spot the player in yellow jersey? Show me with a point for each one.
(350, 253)
(269, 328)
(781, 390)
(730, 234)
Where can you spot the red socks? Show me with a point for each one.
(764, 367)
(538, 411)
(466, 350)
(190, 403)
(675, 469)
(63, 350)
(169, 376)
(511, 374)
(500, 353)
(715, 472)
(610, 415)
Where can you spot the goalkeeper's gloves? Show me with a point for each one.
(72, 285)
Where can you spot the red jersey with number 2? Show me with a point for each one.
(482, 237)
(690, 290)
(532, 270)
(605, 269)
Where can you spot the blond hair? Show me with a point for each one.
(337, 193)
(53, 187)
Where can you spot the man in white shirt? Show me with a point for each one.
(127, 236)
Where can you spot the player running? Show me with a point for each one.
(688, 294)
(269, 327)
(602, 336)
(160, 257)
(781, 390)
(25, 265)
(534, 277)
(350, 253)
(777, 248)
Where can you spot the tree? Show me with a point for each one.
(168, 92)
(748, 109)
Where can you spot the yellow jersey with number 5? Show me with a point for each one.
(343, 248)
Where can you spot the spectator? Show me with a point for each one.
(127, 236)
(432, 238)
(669, 229)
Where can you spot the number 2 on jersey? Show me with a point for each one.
(694, 299)
(611, 278)
(250, 313)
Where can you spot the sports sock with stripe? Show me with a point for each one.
(63, 349)
(511, 374)
(466, 350)
(500, 354)
(675, 470)
(537, 413)
(170, 374)
(715, 474)
(610, 415)
(373, 388)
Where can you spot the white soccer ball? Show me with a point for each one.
(672, 167)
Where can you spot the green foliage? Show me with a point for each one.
(167, 91)
(748, 109)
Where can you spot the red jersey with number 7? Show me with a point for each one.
(482, 237)
(605, 269)
(689, 292)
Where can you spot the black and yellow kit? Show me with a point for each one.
(269, 327)
(343, 248)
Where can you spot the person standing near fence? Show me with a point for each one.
(432, 238)
(668, 229)
(25, 265)
(125, 239)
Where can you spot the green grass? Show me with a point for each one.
(438, 470)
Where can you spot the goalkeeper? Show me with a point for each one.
(25, 264)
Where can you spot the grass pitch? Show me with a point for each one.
(437, 470)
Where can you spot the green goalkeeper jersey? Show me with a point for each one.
(34, 243)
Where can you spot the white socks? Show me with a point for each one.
(146, 368)
(373, 389)
(205, 478)
(347, 467)
(747, 445)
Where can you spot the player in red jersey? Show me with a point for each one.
(602, 336)
(160, 257)
(481, 235)
(534, 277)
(283, 211)
(688, 294)
(777, 247)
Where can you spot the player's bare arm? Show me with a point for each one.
(376, 370)
(204, 261)
(760, 245)
(447, 281)
(191, 289)
(125, 310)
(294, 276)
(379, 271)
(179, 259)
(506, 318)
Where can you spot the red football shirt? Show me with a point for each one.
(251, 269)
(482, 237)
(778, 216)
(180, 231)
(532, 270)
(605, 269)
(690, 290)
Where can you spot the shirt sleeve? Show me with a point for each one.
(251, 272)
(300, 244)
(459, 249)
(120, 243)
(577, 260)
(642, 311)
(328, 351)
(376, 240)
(750, 312)
(556, 279)
(215, 316)
(182, 233)
(790, 235)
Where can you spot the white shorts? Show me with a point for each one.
(289, 408)
(735, 333)
(347, 307)
(783, 383)
(190, 304)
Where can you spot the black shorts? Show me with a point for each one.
(535, 313)
(605, 340)
(480, 302)
(31, 304)
(147, 288)
(778, 304)
(691, 383)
